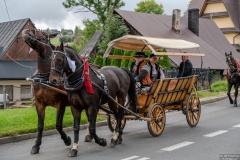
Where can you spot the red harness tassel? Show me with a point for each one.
(87, 80)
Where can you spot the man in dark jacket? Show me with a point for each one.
(141, 70)
(185, 68)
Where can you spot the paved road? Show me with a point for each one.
(217, 133)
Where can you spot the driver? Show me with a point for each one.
(141, 70)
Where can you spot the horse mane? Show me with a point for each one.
(91, 65)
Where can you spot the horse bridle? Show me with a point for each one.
(61, 71)
(38, 38)
(231, 63)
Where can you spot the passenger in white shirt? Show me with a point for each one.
(156, 72)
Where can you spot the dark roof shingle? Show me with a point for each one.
(212, 42)
(10, 70)
(9, 31)
(88, 48)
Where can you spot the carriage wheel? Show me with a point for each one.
(193, 110)
(112, 122)
(157, 123)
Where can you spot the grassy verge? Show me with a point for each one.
(202, 94)
(24, 120)
(55, 40)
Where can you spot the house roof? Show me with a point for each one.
(212, 42)
(232, 6)
(89, 47)
(9, 31)
(10, 70)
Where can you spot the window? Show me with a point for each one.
(9, 91)
(26, 93)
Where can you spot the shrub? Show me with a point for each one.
(98, 61)
(124, 62)
(219, 86)
(116, 62)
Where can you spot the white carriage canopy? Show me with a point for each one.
(141, 43)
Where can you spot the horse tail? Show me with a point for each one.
(132, 90)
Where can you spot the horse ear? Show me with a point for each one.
(225, 54)
(62, 46)
(53, 35)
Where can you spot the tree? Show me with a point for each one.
(114, 28)
(98, 61)
(64, 32)
(149, 6)
(77, 31)
(91, 26)
(116, 62)
(124, 62)
(100, 8)
(48, 31)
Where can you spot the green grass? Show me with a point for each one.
(55, 40)
(216, 89)
(202, 94)
(219, 86)
(24, 120)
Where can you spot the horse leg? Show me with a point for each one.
(40, 108)
(59, 120)
(76, 118)
(119, 113)
(88, 137)
(228, 93)
(92, 115)
(236, 94)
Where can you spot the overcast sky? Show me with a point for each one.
(51, 13)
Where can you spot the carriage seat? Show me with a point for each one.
(142, 89)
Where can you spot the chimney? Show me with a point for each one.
(176, 20)
(193, 20)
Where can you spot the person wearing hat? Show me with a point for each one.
(185, 68)
(155, 71)
(141, 70)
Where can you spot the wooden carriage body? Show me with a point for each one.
(164, 94)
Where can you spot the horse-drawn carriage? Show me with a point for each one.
(164, 94)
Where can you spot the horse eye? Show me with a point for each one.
(59, 60)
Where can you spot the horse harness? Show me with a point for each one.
(82, 79)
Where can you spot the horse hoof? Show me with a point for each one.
(35, 150)
(231, 102)
(102, 142)
(88, 138)
(73, 153)
(120, 140)
(113, 142)
(68, 142)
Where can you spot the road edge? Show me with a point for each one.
(22, 137)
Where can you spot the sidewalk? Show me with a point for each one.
(102, 123)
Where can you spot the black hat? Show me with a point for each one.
(152, 55)
(140, 54)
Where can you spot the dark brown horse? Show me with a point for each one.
(40, 41)
(87, 90)
(233, 77)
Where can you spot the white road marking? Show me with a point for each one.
(237, 125)
(177, 146)
(216, 133)
(144, 158)
(133, 157)
(129, 158)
